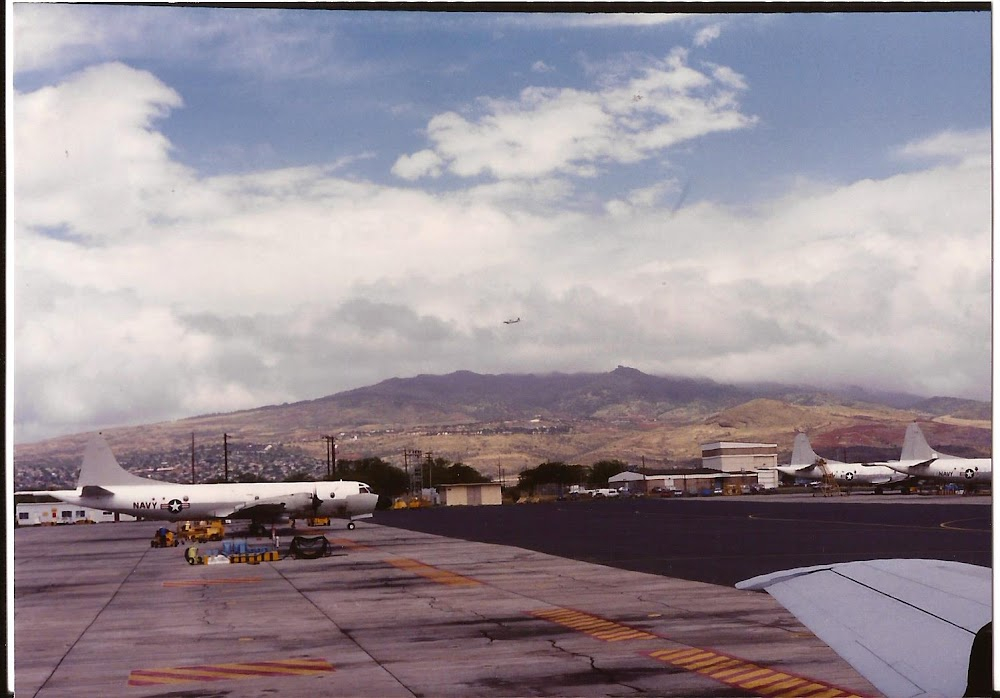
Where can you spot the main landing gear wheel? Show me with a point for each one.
(350, 525)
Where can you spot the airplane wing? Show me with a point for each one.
(908, 626)
(269, 509)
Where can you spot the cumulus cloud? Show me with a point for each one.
(143, 292)
(575, 132)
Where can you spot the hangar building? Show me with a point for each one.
(735, 457)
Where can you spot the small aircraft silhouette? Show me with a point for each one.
(511, 322)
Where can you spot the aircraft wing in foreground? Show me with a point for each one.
(911, 627)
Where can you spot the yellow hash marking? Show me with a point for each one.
(703, 666)
(794, 681)
(774, 677)
(801, 690)
(828, 694)
(717, 671)
(695, 658)
(730, 674)
(759, 672)
(672, 654)
(599, 628)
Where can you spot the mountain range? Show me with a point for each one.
(511, 421)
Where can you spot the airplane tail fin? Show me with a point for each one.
(802, 452)
(101, 468)
(915, 446)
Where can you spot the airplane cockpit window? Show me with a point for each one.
(364, 489)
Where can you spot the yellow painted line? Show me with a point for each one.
(224, 672)
(209, 582)
(600, 628)
(747, 675)
(433, 573)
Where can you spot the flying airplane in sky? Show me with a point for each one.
(809, 466)
(511, 322)
(103, 484)
(911, 627)
(919, 460)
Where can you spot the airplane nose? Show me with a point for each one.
(361, 503)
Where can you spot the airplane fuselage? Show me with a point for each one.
(972, 471)
(849, 474)
(176, 502)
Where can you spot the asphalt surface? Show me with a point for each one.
(723, 540)
(98, 612)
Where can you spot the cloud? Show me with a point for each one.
(143, 292)
(707, 35)
(576, 132)
(258, 43)
(972, 148)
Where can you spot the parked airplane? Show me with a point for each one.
(919, 460)
(911, 627)
(103, 484)
(809, 466)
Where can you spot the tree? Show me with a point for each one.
(385, 479)
(602, 470)
(300, 476)
(556, 472)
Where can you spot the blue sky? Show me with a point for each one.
(225, 208)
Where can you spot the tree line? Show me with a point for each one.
(391, 481)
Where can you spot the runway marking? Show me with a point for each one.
(348, 543)
(843, 522)
(433, 573)
(721, 667)
(947, 525)
(595, 626)
(207, 582)
(742, 674)
(223, 672)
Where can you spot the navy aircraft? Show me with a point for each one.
(807, 465)
(919, 460)
(103, 484)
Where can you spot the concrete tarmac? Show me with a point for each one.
(392, 612)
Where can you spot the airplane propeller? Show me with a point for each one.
(316, 501)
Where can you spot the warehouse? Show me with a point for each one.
(472, 494)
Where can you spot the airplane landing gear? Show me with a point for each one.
(350, 525)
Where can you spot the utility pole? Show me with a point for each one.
(331, 456)
(430, 470)
(225, 456)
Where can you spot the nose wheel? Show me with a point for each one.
(350, 525)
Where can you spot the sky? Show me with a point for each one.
(213, 209)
